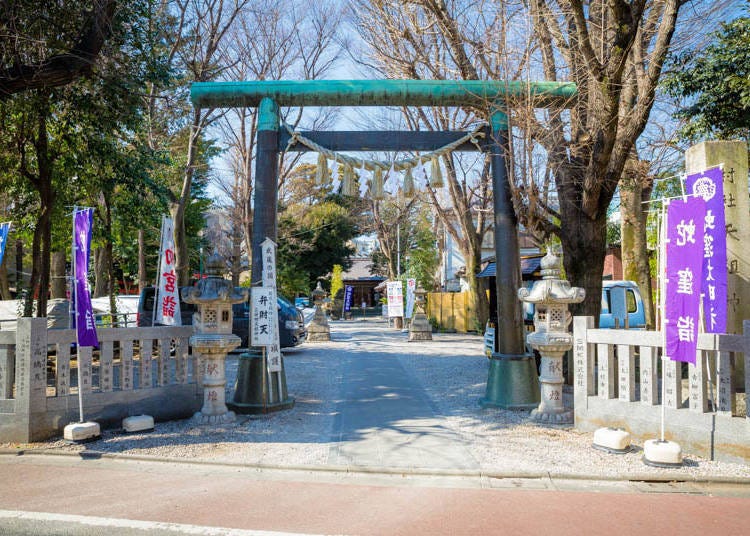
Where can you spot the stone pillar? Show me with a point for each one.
(733, 156)
(419, 328)
(319, 330)
(551, 297)
(29, 419)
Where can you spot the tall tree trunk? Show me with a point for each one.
(40, 250)
(4, 285)
(479, 305)
(635, 188)
(104, 283)
(237, 237)
(584, 241)
(101, 273)
(142, 281)
(177, 209)
(58, 285)
(19, 267)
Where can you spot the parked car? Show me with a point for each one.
(292, 330)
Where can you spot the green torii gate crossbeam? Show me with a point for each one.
(512, 372)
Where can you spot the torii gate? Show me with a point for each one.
(512, 377)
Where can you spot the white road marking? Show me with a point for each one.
(141, 525)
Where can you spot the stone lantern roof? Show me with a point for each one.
(551, 289)
(214, 288)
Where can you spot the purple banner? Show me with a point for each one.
(85, 324)
(709, 186)
(684, 274)
(348, 290)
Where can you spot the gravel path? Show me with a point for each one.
(453, 373)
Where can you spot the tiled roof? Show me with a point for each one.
(360, 271)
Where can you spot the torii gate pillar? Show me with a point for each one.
(257, 390)
(512, 382)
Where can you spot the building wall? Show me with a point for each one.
(613, 264)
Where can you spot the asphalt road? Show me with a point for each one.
(40, 494)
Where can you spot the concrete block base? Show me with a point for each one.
(82, 432)
(226, 418)
(420, 336)
(612, 440)
(138, 423)
(657, 453)
(319, 334)
(546, 417)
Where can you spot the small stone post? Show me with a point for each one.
(419, 328)
(319, 330)
(214, 297)
(551, 297)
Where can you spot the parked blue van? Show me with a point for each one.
(622, 305)
(621, 301)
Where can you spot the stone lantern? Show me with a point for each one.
(214, 297)
(419, 328)
(551, 297)
(319, 330)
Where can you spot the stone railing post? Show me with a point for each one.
(31, 376)
(583, 358)
(7, 367)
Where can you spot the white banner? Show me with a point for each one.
(264, 321)
(167, 304)
(411, 286)
(273, 356)
(395, 299)
(268, 250)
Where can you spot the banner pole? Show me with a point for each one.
(158, 273)
(662, 299)
(78, 345)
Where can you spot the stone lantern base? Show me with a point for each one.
(546, 417)
(551, 409)
(226, 418)
(319, 330)
(420, 328)
(213, 349)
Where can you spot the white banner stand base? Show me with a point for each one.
(660, 453)
(612, 440)
(138, 423)
(82, 432)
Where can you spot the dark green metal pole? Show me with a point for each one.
(257, 390)
(512, 382)
(266, 183)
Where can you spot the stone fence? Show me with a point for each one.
(135, 371)
(618, 384)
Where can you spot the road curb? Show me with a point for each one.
(674, 476)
